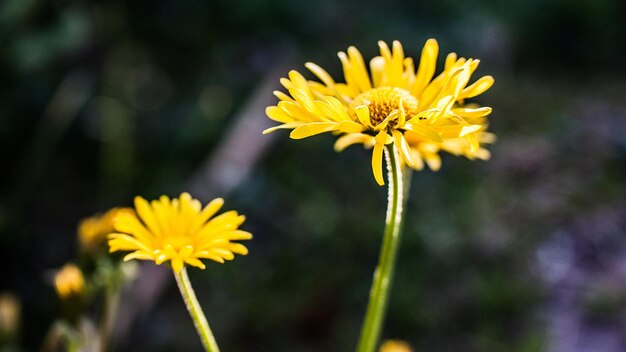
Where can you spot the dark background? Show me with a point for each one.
(104, 100)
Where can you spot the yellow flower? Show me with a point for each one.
(395, 346)
(92, 231)
(179, 230)
(69, 282)
(10, 312)
(391, 104)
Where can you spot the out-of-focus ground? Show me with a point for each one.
(104, 100)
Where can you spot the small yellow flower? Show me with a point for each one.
(10, 313)
(179, 230)
(395, 346)
(93, 231)
(69, 282)
(391, 104)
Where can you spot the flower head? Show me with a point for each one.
(10, 310)
(92, 231)
(69, 282)
(395, 346)
(391, 104)
(179, 230)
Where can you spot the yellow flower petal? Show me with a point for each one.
(312, 129)
(300, 82)
(302, 98)
(423, 131)
(285, 126)
(237, 248)
(207, 212)
(147, 215)
(282, 96)
(332, 109)
(354, 69)
(458, 130)
(426, 70)
(277, 114)
(401, 114)
(224, 253)
(363, 114)
(324, 77)
(177, 264)
(377, 66)
(239, 235)
(467, 112)
(377, 157)
(403, 148)
(298, 112)
(450, 61)
(139, 255)
(433, 160)
(477, 88)
(354, 138)
(350, 127)
(195, 262)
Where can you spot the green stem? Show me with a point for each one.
(73, 344)
(199, 320)
(111, 304)
(379, 293)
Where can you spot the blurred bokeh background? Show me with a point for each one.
(104, 100)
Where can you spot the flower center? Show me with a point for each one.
(382, 101)
(177, 242)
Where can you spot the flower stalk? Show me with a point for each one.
(199, 320)
(381, 285)
(111, 303)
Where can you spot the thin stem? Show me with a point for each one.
(381, 285)
(111, 304)
(199, 320)
(73, 344)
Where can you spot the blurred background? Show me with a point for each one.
(104, 100)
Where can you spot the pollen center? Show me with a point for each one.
(382, 101)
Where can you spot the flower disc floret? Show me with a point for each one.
(382, 102)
